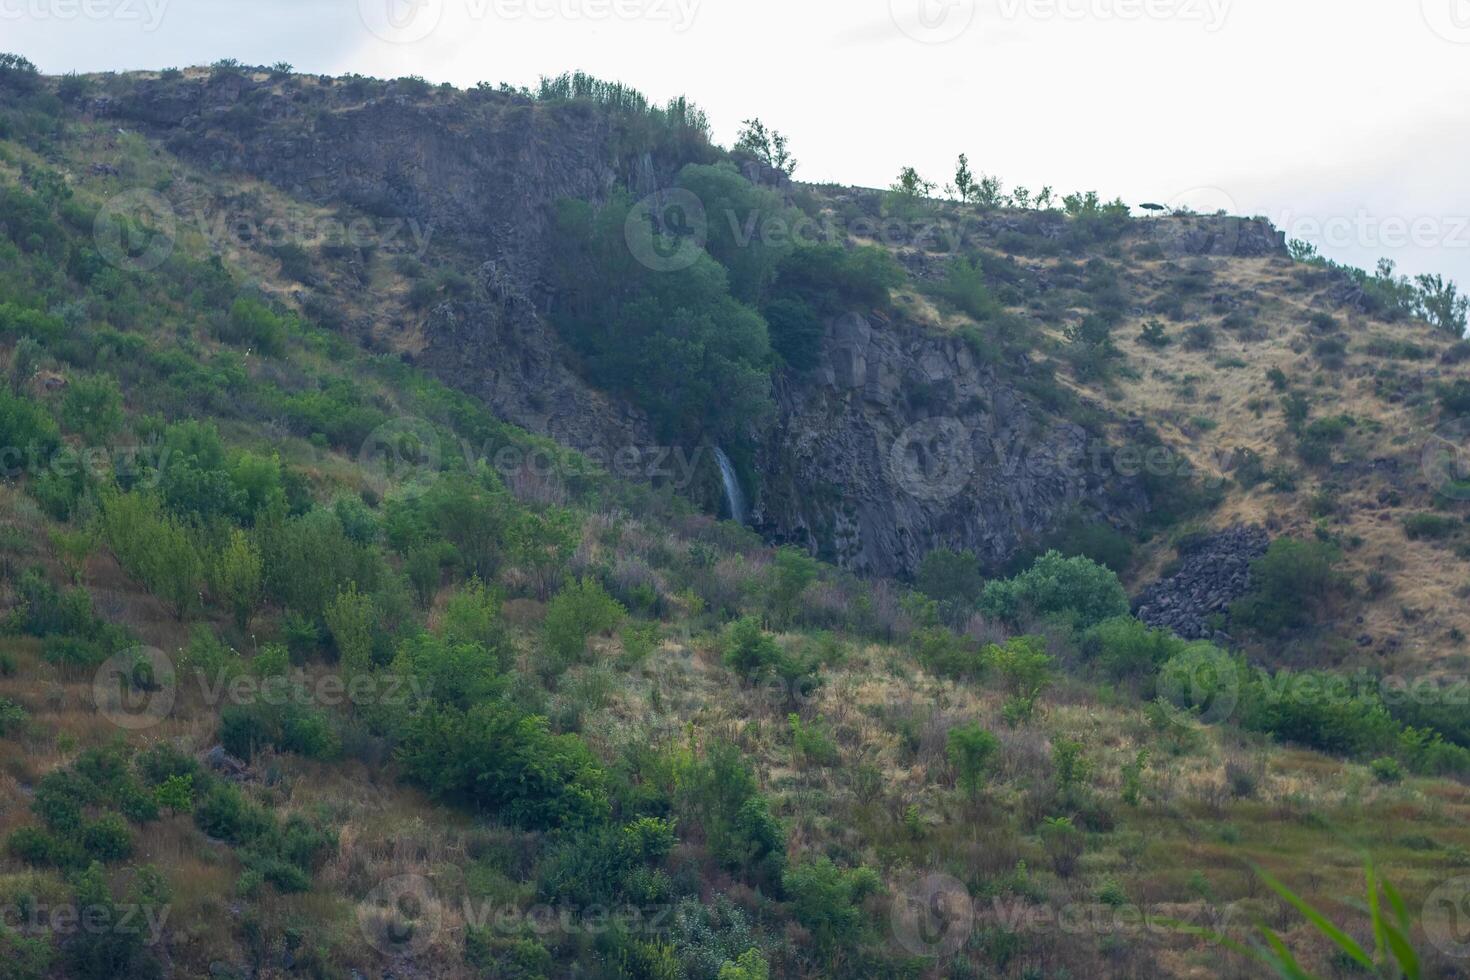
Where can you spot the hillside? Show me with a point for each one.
(368, 609)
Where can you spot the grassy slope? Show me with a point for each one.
(1181, 852)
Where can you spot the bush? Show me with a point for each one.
(1433, 527)
(1387, 770)
(92, 407)
(582, 608)
(154, 548)
(971, 749)
(252, 322)
(750, 651)
(499, 761)
(1063, 843)
(950, 577)
(247, 729)
(718, 793)
(1075, 591)
(1124, 647)
(1291, 585)
(826, 899)
(1154, 335)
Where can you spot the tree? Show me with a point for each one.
(1440, 303)
(964, 180)
(73, 548)
(351, 617)
(499, 761)
(767, 146)
(579, 610)
(1025, 671)
(153, 548)
(235, 575)
(1077, 591)
(910, 185)
(971, 749)
(750, 965)
(92, 407)
(825, 899)
(795, 570)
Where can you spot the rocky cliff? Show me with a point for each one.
(902, 441)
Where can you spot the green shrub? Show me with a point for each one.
(92, 407)
(1124, 647)
(827, 899)
(1386, 769)
(499, 761)
(971, 749)
(950, 577)
(246, 729)
(1432, 527)
(581, 609)
(252, 322)
(1291, 585)
(1076, 591)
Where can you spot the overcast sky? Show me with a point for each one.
(1345, 121)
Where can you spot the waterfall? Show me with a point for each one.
(734, 498)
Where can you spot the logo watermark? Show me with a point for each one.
(121, 919)
(139, 688)
(412, 21)
(1212, 14)
(667, 230)
(138, 231)
(405, 455)
(932, 21)
(1450, 19)
(1445, 460)
(1446, 917)
(148, 13)
(401, 916)
(135, 689)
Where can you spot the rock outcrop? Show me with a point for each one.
(1213, 572)
(901, 441)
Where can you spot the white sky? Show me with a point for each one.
(1346, 121)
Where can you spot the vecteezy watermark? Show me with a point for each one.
(402, 455)
(134, 466)
(405, 455)
(148, 13)
(121, 919)
(411, 21)
(1378, 232)
(1450, 19)
(932, 917)
(932, 21)
(935, 459)
(135, 689)
(935, 916)
(402, 916)
(1445, 460)
(667, 230)
(1446, 917)
(138, 230)
(1205, 679)
(1175, 239)
(139, 687)
(1210, 13)
(932, 460)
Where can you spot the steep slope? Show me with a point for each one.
(320, 666)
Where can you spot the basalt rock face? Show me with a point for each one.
(477, 175)
(1213, 572)
(901, 441)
